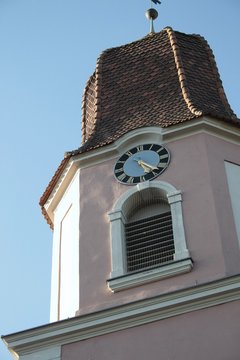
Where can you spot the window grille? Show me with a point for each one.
(149, 242)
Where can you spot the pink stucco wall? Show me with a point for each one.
(196, 168)
(211, 333)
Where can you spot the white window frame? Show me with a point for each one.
(119, 278)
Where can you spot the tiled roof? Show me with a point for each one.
(161, 80)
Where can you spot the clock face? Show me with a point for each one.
(141, 163)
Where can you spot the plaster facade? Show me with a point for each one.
(211, 333)
(197, 169)
(177, 317)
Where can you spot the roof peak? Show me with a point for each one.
(183, 67)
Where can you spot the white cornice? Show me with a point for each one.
(125, 316)
(215, 127)
(208, 125)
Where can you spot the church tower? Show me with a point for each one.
(145, 213)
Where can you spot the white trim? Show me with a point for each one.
(125, 316)
(205, 124)
(157, 134)
(58, 310)
(49, 353)
(233, 179)
(140, 278)
(117, 220)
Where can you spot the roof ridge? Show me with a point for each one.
(95, 81)
(117, 47)
(98, 88)
(217, 77)
(84, 110)
(181, 72)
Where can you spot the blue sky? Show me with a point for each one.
(48, 50)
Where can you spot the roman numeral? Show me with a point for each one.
(161, 150)
(128, 153)
(130, 180)
(162, 165)
(164, 156)
(117, 171)
(122, 177)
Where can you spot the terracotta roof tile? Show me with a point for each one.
(161, 80)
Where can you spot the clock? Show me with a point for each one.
(141, 163)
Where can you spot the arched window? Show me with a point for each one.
(148, 239)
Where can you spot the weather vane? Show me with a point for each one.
(152, 14)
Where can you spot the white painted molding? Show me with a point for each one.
(65, 255)
(204, 124)
(233, 179)
(49, 353)
(119, 279)
(143, 277)
(122, 317)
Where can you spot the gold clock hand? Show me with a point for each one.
(146, 167)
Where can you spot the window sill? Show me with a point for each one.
(130, 280)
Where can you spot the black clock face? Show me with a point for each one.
(141, 163)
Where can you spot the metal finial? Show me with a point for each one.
(151, 14)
